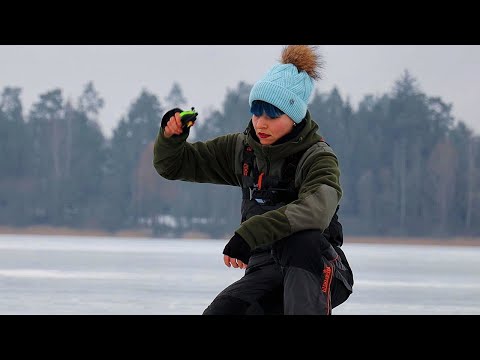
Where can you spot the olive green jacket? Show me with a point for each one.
(219, 161)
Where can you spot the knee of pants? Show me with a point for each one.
(304, 249)
(229, 305)
(226, 305)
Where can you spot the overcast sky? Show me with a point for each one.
(205, 72)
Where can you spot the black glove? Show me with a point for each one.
(237, 248)
(168, 115)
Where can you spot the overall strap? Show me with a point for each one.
(290, 167)
(248, 169)
(291, 163)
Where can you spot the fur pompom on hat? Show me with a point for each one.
(288, 85)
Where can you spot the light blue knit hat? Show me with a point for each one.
(289, 85)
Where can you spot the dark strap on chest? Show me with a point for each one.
(254, 181)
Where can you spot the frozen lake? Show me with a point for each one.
(98, 275)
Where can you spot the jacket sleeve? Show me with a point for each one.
(319, 194)
(204, 162)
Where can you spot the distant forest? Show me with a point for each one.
(408, 167)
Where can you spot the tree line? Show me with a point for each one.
(408, 167)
